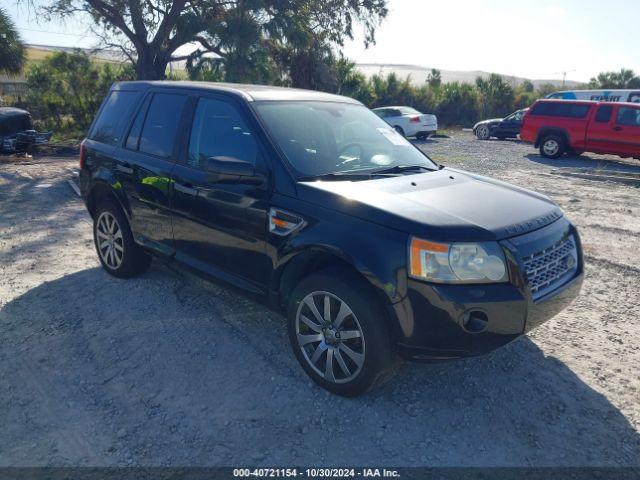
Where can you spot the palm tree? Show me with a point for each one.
(12, 51)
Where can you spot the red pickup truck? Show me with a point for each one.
(559, 126)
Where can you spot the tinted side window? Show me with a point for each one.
(629, 116)
(219, 131)
(134, 134)
(604, 113)
(114, 117)
(161, 124)
(553, 109)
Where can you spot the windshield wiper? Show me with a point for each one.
(336, 176)
(403, 168)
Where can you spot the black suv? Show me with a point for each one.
(314, 204)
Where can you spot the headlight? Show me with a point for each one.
(457, 262)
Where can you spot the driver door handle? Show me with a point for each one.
(186, 189)
(617, 129)
(124, 168)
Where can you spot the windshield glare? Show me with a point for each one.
(319, 138)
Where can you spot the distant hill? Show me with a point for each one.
(37, 53)
(419, 75)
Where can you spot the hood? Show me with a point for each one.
(490, 120)
(445, 205)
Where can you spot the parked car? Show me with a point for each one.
(16, 131)
(311, 203)
(500, 128)
(613, 95)
(559, 126)
(408, 121)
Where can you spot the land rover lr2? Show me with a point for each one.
(312, 203)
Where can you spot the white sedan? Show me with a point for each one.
(408, 121)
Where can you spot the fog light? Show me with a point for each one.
(475, 321)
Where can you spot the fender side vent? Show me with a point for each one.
(284, 223)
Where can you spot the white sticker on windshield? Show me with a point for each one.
(394, 137)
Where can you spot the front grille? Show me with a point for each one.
(550, 268)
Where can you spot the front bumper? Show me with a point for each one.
(434, 319)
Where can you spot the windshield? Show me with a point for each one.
(320, 138)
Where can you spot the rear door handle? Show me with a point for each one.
(186, 189)
(124, 168)
(617, 129)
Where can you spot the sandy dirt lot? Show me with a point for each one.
(167, 369)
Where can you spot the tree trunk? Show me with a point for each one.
(151, 64)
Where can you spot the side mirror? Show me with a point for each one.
(229, 167)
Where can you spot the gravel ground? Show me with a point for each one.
(166, 369)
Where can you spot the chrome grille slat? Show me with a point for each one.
(548, 268)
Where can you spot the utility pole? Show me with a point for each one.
(564, 76)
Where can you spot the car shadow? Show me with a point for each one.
(591, 162)
(165, 369)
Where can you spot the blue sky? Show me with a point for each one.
(535, 39)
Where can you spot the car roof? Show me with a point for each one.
(395, 106)
(247, 92)
(8, 112)
(566, 100)
(587, 102)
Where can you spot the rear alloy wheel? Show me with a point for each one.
(338, 333)
(551, 146)
(482, 132)
(118, 253)
(110, 242)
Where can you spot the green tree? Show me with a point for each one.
(241, 33)
(546, 89)
(527, 86)
(66, 90)
(390, 90)
(350, 82)
(495, 96)
(458, 104)
(12, 51)
(434, 78)
(625, 78)
(426, 98)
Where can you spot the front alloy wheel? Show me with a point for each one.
(331, 342)
(110, 241)
(482, 132)
(338, 330)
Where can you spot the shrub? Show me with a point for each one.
(66, 90)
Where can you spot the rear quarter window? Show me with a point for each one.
(566, 110)
(114, 116)
(161, 124)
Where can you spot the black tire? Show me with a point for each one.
(552, 146)
(399, 130)
(343, 286)
(133, 259)
(422, 136)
